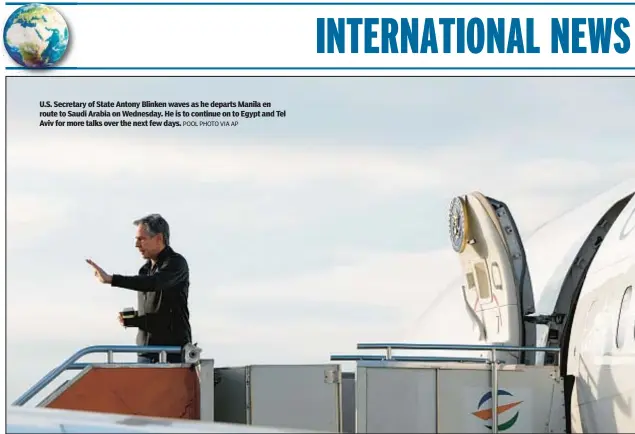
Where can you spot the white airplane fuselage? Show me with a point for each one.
(598, 352)
(573, 292)
(601, 348)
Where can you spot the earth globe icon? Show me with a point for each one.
(36, 36)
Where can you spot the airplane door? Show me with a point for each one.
(497, 286)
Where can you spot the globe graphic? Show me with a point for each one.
(36, 36)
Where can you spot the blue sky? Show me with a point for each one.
(304, 234)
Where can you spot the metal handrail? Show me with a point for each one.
(364, 357)
(406, 346)
(108, 349)
(457, 347)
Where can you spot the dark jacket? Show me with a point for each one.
(163, 316)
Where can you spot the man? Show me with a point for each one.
(163, 284)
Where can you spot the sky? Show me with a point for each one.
(305, 234)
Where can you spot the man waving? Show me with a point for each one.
(163, 317)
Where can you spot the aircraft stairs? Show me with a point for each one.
(160, 390)
(386, 393)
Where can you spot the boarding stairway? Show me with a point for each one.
(125, 388)
(387, 392)
(455, 394)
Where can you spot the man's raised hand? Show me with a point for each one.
(100, 274)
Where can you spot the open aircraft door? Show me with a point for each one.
(497, 286)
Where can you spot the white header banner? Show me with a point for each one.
(345, 36)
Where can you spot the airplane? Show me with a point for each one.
(568, 285)
(46, 420)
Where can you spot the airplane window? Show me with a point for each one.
(497, 279)
(623, 318)
(470, 280)
(482, 280)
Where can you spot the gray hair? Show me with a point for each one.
(155, 224)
